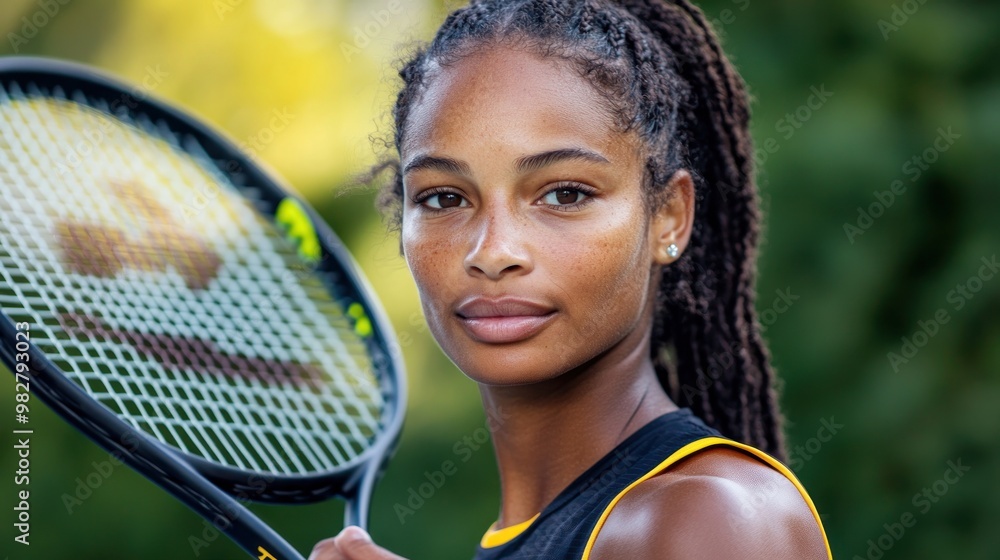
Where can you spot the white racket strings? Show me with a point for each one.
(159, 289)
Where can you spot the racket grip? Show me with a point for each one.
(356, 511)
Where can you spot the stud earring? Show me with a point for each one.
(672, 250)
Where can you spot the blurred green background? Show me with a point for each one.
(871, 230)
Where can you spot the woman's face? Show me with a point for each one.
(523, 221)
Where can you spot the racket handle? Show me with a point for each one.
(353, 514)
(356, 511)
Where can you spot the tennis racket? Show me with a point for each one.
(171, 300)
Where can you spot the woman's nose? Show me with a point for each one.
(499, 245)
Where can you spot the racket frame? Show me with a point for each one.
(206, 487)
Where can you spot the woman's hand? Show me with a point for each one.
(353, 543)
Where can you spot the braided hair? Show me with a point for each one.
(660, 72)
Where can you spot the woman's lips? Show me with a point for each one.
(503, 319)
(505, 329)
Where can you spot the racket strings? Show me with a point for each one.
(164, 294)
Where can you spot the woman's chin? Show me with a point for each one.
(503, 365)
(506, 378)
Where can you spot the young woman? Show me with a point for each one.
(575, 196)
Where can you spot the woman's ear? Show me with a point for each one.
(671, 225)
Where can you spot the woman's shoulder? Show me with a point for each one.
(720, 502)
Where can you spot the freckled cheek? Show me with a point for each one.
(617, 246)
(433, 262)
(607, 263)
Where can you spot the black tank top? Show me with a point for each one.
(567, 527)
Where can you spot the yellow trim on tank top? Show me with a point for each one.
(496, 537)
(688, 449)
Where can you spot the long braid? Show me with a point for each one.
(744, 398)
(661, 71)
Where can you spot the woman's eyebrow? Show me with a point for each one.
(522, 164)
(447, 165)
(540, 160)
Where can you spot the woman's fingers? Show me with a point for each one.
(355, 544)
(326, 549)
(351, 544)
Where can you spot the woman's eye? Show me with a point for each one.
(444, 200)
(563, 197)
